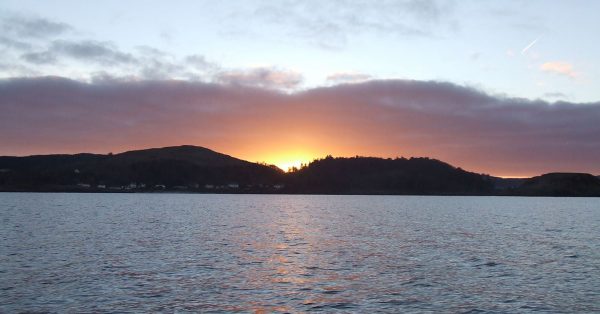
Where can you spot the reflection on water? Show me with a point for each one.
(257, 253)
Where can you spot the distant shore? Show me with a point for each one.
(193, 169)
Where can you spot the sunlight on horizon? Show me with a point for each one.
(287, 166)
(288, 160)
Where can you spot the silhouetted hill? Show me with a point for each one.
(368, 175)
(180, 166)
(198, 169)
(560, 184)
(196, 155)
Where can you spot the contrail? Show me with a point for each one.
(529, 46)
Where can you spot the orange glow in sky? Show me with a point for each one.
(284, 156)
(308, 84)
(384, 119)
(286, 160)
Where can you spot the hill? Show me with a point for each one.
(198, 169)
(180, 166)
(560, 184)
(369, 175)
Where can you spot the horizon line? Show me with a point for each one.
(284, 170)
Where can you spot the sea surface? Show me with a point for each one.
(295, 253)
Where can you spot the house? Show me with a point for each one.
(160, 186)
(83, 185)
(101, 186)
(278, 186)
(233, 185)
(209, 186)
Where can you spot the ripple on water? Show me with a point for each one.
(262, 254)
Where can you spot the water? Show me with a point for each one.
(278, 253)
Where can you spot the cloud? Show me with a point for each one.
(556, 95)
(464, 126)
(32, 27)
(475, 56)
(104, 53)
(200, 62)
(348, 77)
(264, 77)
(14, 43)
(332, 24)
(105, 59)
(107, 62)
(23, 40)
(44, 57)
(37, 46)
(559, 67)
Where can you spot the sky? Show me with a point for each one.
(508, 88)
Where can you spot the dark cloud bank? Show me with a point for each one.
(463, 126)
